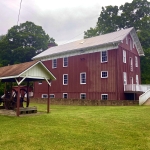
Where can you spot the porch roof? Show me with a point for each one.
(29, 71)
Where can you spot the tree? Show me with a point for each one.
(23, 42)
(135, 14)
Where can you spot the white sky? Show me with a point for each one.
(64, 20)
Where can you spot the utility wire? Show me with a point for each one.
(19, 12)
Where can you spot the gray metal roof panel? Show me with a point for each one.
(85, 43)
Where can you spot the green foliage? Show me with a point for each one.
(78, 128)
(23, 42)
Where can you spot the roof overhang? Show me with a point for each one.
(85, 50)
(35, 72)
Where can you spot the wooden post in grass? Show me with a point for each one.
(18, 101)
(48, 100)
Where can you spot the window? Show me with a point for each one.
(104, 56)
(104, 96)
(54, 63)
(137, 79)
(52, 95)
(82, 96)
(124, 56)
(136, 61)
(83, 78)
(65, 79)
(65, 95)
(40, 82)
(125, 78)
(44, 96)
(131, 64)
(65, 61)
(104, 74)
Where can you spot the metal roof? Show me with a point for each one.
(29, 71)
(106, 39)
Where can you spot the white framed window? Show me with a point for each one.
(124, 56)
(125, 78)
(104, 74)
(54, 63)
(65, 79)
(104, 96)
(65, 95)
(104, 56)
(136, 61)
(44, 96)
(82, 95)
(137, 79)
(65, 62)
(52, 95)
(131, 64)
(83, 78)
(40, 82)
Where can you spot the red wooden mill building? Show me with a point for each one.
(104, 67)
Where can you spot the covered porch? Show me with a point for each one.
(135, 88)
(25, 72)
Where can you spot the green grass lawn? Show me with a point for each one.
(78, 128)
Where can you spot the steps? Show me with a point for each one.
(145, 98)
(147, 102)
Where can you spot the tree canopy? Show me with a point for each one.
(135, 14)
(23, 42)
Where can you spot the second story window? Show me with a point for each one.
(65, 79)
(104, 74)
(136, 61)
(65, 62)
(104, 56)
(131, 64)
(54, 63)
(125, 78)
(124, 56)
(83, 78)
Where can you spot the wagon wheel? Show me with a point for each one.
(23, 93)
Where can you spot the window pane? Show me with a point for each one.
(104, 96)
(83, 96)
(65, 79)
(65, 95)
(65, 62)
(104, 56)
(104, 74)
(82, 78)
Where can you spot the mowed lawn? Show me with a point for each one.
(78, 128)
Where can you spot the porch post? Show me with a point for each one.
(28, 100)
(48, 101)
(18, 101)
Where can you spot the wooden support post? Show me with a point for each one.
(28, 94)
(48, 101)
(18, 101)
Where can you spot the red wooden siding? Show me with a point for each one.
(91, 64)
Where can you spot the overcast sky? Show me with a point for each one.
(64, 20)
